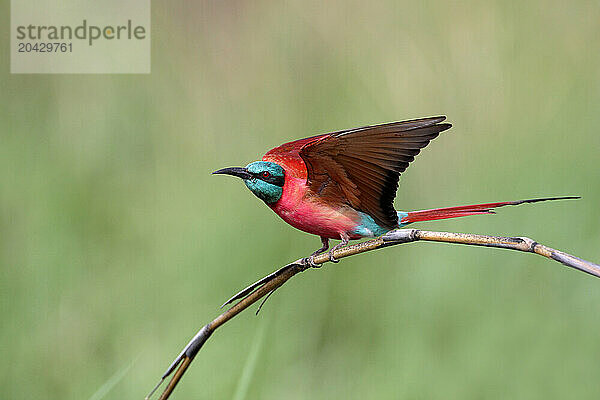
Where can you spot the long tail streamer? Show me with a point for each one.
(475, 209)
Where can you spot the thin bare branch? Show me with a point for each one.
(256, 291)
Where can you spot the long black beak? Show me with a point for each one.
(235, 171)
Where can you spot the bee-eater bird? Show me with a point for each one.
(342, 185)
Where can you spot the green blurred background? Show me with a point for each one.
(117, 244)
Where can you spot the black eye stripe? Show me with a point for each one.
(275, 180)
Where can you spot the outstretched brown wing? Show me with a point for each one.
(361, 167)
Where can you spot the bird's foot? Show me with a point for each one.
(345, 238)
(332, 258)
(310, 262)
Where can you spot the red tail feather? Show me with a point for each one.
(463, 211)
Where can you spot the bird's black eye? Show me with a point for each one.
(265, 174)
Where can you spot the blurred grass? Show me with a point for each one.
(117, 242)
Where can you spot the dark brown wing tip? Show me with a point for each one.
(428, 122)
(437, 121)
(445, 127)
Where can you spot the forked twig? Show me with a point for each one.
(263, 287)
